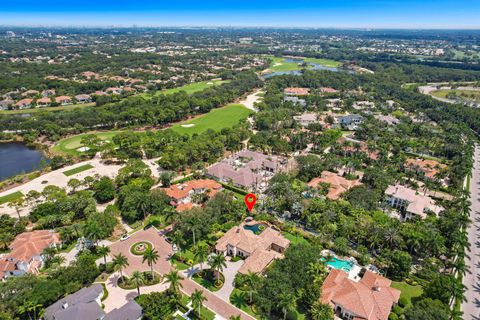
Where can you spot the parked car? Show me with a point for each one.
(174, 248)
(124, 237)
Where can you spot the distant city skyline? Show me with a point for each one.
(426, 14)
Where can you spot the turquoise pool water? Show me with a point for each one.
(255, 228)
(340, 264)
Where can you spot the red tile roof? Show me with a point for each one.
(338, 184)
(297, 91)
(181, 191)
(371, 298)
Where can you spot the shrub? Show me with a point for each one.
(403, 302)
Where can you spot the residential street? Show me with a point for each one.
(471, 308)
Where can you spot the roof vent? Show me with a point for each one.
(65, 305)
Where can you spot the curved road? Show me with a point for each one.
(471, 307)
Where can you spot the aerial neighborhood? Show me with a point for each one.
(236, 173)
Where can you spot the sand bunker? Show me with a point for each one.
(188, 125)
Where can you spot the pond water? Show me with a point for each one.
(313, 66)
(16, 158)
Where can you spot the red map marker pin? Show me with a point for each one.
(250, 200)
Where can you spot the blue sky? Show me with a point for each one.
(305, 13)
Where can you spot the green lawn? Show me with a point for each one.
(11, 197)
(71, 144)
(190, 88)
(76, 170)
(464, 94)
(59, 108)
(408, 291)
(280, 65)
(216, 119)
(324, 62)
(295, 239)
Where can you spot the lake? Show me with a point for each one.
(16, 158)
(313, 66)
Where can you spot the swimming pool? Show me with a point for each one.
(340, 264)
(256, 228)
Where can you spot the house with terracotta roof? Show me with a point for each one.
(63, 100)
(181, 194)
(26, 253)
(247, 169)
(43, 102)
(114, 90)
(351, 147)
(425, 167)
(371, 298)
(258, 250)
(296, 91)
(83, 98)
(410, 202)
(24, 103)
(337, 184)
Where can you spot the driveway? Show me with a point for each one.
(471, 307)
(118, 297)
(229, 272)
(158, 242)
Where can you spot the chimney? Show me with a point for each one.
(376, 288)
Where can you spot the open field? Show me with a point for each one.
(463, 94)
(71, 144)
(324, 62)
(216, 119)
(191, 88)
(11, 197)
(76, 170)
(59, 108)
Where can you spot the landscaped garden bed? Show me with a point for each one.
(209, 279)
(139, 248)
(126, 284)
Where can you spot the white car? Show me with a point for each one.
(174, 248)
(124, 237)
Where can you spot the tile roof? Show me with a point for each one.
(62, 98)
(429, 167)
(297, 91)
(44, 100)
(257, 246)
(129, 311)
(417, 203)
(371, 298)
(30, 244)
(338, 184)
(81, 305)
(183, 190)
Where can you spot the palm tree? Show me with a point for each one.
(178, 240)
(320, 311)
(137, 279)
(251, 282)
(201, 254)
(103, 251)
(197, 299)
(120, 262)
(174, 279)
(151, 256)
(286, 302)
(217, 262)
(17, 204)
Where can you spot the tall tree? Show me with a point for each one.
(151, 256)
(120, 262)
